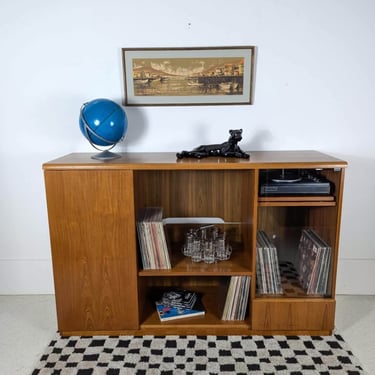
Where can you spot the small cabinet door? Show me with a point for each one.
(91, 219)
(293, 315)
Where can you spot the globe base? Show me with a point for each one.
(106, 155)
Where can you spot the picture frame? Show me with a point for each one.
(188, 76)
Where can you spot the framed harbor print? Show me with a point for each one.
(188, 76)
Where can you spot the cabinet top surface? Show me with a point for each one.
(168, 160)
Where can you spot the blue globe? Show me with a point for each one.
(103, 122)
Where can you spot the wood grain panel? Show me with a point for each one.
(91, 218)
(195, 193)
(293, 315)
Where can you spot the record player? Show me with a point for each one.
(293, 182)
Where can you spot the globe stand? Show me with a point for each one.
(103, 155)
(106, 155)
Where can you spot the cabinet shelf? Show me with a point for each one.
(209, 322)
(319, 201)
(238, 264)
(291, 290)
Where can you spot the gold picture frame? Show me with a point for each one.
(188, 76)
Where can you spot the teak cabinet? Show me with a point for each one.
(100, 285)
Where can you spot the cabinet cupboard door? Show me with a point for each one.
(91, 219)
(294, 315)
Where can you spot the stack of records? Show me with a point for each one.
(177, 304)
(152, 241)
(237, 298)
(314, 258)
(267, 266)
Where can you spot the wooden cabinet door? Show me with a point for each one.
(92, 231)
(294, 315)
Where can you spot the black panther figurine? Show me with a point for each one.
(229, 148)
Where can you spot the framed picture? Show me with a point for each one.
(188, 76)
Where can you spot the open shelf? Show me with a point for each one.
(209, 322)
(238, 264)
(318, 201)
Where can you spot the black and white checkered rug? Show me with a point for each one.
(204, 355)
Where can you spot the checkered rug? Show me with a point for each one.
(204, 355)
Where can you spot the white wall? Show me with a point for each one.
(315, 89)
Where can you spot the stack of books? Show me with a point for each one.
(152, 240)
(314, 259)
(237, 298)
(177, 304)
(267, 266)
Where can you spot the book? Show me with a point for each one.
(178, 304)
(152, 241)
(313, 263)
(170, 312)
(267, 266)
(184, 299)
(236, 302)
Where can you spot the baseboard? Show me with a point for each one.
(356, 276)
(34, 276)
(26, 276)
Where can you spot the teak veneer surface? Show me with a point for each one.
(168, 160)
(100, 285)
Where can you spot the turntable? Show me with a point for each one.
(293, 182)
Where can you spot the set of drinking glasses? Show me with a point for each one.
(207, 244)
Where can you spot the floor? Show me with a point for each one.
(28, 323)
